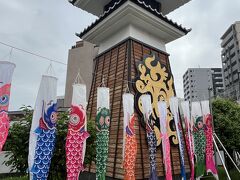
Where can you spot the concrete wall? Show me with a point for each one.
(133, 32)
(80, 58)
(4, 169)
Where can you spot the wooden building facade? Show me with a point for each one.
(131, 36)
(118, 67)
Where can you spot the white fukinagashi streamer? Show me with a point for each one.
(175, 112)
(6, 73)
(77, 133)
(151, 136)
(199, 139)
(103, 100)
(102, 125)
(47, 95)
(129, 137)
(79, 97)
(128, 111)
(162, 109)
(188, 135)
(208, 122)
(146, 106)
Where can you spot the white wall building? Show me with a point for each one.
(231, 60)
(197, 81)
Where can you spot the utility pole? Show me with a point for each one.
(238, 98)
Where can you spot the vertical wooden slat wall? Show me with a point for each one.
(118, 67)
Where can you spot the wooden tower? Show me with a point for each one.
(131, 35)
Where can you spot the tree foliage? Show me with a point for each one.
(226, 114)
(18, 141)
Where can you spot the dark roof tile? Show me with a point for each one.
(142, 4)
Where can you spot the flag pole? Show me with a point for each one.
(227, 152)
(229, 178)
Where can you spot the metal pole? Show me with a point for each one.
(213, 127)
(221, 159)
(238, 156)
(238, 86)
(227, 152)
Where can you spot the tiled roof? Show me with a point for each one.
(140, 3)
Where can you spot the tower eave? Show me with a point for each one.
(170, 5)
(132, 20)
(96, 7)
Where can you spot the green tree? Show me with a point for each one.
(18, 141)
(226, 114)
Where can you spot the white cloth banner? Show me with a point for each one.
(79, 95)
(6, 72)
(146, 106)
(47, 93)
(103, 97)
(205, 107)
(196, 111)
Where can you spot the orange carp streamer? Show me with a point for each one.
(130, 150)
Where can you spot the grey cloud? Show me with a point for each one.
(45, 27)
(48, 28)
(208, 19)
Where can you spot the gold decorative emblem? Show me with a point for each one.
(155, 79)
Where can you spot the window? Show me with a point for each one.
(234, 63)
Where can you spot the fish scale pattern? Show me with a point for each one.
(74, 153)
(101, 153)
(130, 157)
(4, 126)
(200, 146)
(43, 153)
(130, 151)
(190, 153)
(4, 119)
(152, 148)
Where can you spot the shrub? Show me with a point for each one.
(18, 140)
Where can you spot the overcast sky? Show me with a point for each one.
(48, 27)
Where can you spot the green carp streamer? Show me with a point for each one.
(102, 126)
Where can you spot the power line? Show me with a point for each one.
(32, 53)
